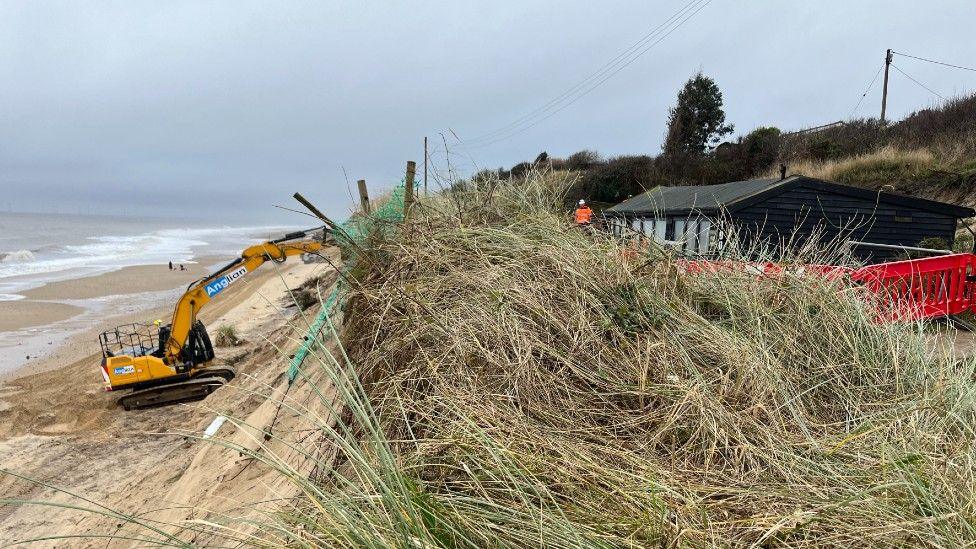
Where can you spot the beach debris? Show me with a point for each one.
(214, 426)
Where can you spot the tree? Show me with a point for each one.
(582, 160)
(697, 123)
(761, 148)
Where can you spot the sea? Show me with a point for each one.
(39, 248)
(36, 249)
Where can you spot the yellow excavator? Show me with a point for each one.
(166, 364)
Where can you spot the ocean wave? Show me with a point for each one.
(103, 253)
(20, 256)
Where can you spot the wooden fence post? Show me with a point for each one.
(363, 196)
(408, 189)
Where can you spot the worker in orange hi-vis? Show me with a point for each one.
(584, 215)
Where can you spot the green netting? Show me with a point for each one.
(349, 235)
(385, 216)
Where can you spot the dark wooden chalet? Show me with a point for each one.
(781, 211)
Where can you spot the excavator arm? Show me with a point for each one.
(199, 293)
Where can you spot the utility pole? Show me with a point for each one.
(425, 165)
(884, 94)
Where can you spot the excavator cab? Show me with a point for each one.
(198, 348)
(129, 339)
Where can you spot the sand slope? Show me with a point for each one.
(60, 427)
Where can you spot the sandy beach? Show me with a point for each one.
(46, 305)
(125, 281)
(59, 425)
(70, 313)
(16, 315)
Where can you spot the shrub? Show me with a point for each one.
(582, 160)
(227, 336)
(954, 119)
(617, 179)
(309, 292)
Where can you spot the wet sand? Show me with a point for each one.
(127, 280)
(50, 317)
(17, 315)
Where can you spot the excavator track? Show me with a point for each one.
(197, 388)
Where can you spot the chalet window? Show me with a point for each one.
(660, 228)
(703, 235)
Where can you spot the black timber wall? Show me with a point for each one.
(803, 211)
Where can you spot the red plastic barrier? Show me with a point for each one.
(913, 289)
(922, 288)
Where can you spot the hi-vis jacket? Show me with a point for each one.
(584, 215)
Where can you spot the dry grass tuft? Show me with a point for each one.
(530, 384)
(227, 336)
(887, 163)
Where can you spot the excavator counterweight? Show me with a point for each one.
(171, 363)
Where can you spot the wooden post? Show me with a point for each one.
(884, 93)
(363, 196)
(408, 189)
(425, 165)
(328, 222)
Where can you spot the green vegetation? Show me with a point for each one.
(227, 336)
(697, 122)
(928, 154)
(538, 386)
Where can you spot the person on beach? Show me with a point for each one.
(171, 265)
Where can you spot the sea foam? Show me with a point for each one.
(18, 256)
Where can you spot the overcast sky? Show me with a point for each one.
(218, 110)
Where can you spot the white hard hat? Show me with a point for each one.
(582, 202)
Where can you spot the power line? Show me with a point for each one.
(609, 65)
(600, 82)
(936, 62)
(917, 82)
(863, 95)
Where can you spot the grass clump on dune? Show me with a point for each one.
(887, 163)
(227, 336)
(524, 384)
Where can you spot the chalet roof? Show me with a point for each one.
(708, 199)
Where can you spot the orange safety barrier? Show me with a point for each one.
(922, 288)
(913, 289)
